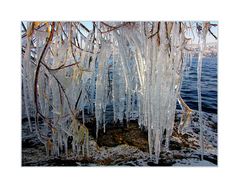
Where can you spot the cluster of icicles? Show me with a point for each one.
(69, 72)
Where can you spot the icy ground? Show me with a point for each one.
(184, 150)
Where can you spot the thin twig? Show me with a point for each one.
(113, 27)
(79, 31)
(212, 33)
(63, 90)
(85, 28)
(151, 36)
(37, 76)
(40, 26)
(71, 45)
(74, 42)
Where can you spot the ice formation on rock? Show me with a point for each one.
(134, 67)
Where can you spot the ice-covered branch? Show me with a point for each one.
(133, 68)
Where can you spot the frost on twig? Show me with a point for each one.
(133, 68)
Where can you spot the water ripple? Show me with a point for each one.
(209, 85)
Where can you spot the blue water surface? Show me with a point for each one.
(208, 85)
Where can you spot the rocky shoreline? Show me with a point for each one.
(127, 145)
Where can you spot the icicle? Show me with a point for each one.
(65, 145)
(145, 62)
(26, 105)
(201, 42)
(27, 88)
(83, 116)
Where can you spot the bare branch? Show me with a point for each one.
(212, 34)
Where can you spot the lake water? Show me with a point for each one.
(209, 85)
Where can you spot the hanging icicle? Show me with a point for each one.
(202, 32)
(134, 68)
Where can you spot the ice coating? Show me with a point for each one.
(135, 69)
